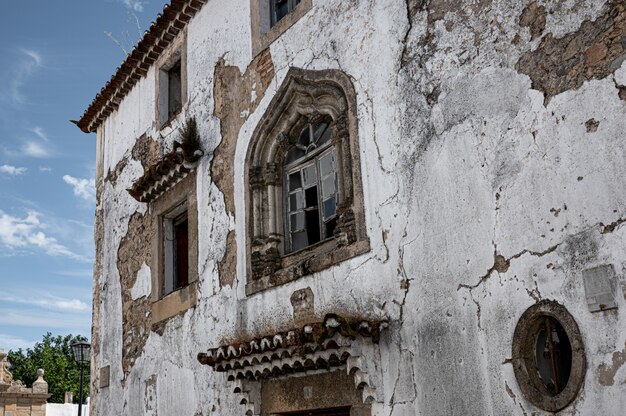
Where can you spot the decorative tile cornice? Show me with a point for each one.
(322, 344)
(155, 40)
(168, 171)
(335, 344)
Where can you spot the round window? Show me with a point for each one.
(548, 356)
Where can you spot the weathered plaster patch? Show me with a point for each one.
(114, 174)
(534, 18)
(98, 231)
(143, 283)
(228, 265)
(606, 372)
(473, 97)
(133, 254)
(147, 151)
(233, 94)
(592, 52)
(592, 125)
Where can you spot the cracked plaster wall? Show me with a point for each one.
(473, 160)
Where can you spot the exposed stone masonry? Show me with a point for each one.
(233, 92)
(594, 51)
(135, 251)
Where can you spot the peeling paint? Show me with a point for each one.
(607, 372)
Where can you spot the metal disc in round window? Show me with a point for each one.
(553, 355)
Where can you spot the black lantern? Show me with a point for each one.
(82, 355)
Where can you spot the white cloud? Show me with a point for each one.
(40, 133)
(45, 169)
(87, 273)
(34, 149)
(48, 319)
(50, 302)
(24, 67)
(12, 170)
(133, 5)
(34, 55)
(83, 188)
(18, 233)
(12, 343)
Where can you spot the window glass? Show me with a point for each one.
(312, 187)
(295, 181)
(309, 176)
(281, 8)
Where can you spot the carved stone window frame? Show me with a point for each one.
(303, 97)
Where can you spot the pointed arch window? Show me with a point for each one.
(305, 207)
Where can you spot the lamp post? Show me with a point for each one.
(81, 352)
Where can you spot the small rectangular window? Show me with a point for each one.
(280, 9)
(174, 90)
(176, 252)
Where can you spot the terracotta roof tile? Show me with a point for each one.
(168, 24)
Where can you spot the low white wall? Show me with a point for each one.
(67, 409)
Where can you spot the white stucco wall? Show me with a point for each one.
(481, 170)
(65, 409)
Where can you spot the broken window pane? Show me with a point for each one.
(311, 197)
(309, 175)
(313, 226)
(294, 181)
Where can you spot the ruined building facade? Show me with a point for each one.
(364, 207)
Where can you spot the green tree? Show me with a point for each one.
(54, 355)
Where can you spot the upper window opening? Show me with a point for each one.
(174, 90)
(312, 194)
(176, 250)
(280, 9)
(271, 18)
(171, 81)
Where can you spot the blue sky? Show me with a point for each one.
(55, 55)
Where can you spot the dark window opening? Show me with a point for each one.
(553, 355)
(181, 254)
(174, 89)
(176, 252)
(312, 189)
(280, 9)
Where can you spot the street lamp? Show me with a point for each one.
(81, 352)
